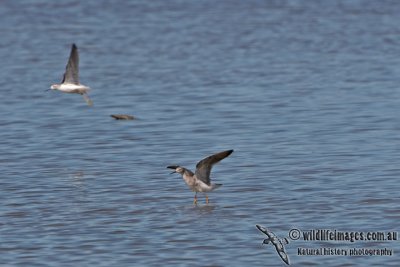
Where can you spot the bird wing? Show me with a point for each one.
(71, 74)
(264, 230)
(282, 254)
(203, 167)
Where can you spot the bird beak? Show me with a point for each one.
(47, 90)
(172, 167)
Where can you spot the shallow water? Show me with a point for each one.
(307, 94)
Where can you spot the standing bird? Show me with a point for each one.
(70, 83)
(200, 180)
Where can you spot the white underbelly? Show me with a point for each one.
(74, 88)
(202, 187)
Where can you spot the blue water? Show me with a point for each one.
(307, 93)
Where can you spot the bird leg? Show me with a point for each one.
(87, 99)
(206, 199)
(195, 199)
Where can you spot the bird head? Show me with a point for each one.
(266, 241)
(177, 169)
(54, 87)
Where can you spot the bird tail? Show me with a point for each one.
(215, 186)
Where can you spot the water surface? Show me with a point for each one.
(306, 93)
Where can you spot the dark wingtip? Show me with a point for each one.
(228, 152)
(261, 228)
(74, 46)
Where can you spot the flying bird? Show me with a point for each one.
(278, 244)
(70, 83)
(200, 180)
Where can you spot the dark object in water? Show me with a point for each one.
(122, 117)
